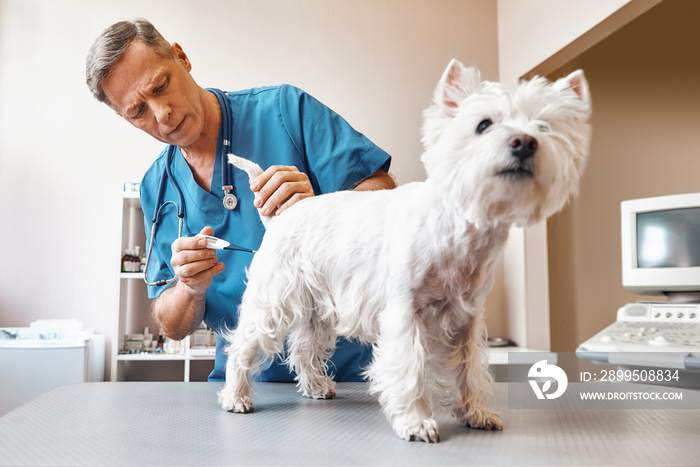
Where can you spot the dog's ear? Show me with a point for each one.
(576, 82)
(456, 84)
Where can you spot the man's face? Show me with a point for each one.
(157, 95)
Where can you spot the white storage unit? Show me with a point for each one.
(35, 360)
(133, 314)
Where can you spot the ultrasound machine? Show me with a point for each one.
(660, 256)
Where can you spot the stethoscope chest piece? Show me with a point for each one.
(230, 201)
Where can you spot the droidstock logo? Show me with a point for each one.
(543, 371)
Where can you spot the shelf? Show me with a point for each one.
(207, 353)
(131, 275)
(151, 357)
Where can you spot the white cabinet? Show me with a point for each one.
(133, 314)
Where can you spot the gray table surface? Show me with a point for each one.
(182, 424)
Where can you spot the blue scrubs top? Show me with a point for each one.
(279, 125)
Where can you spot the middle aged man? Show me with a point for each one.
(308, 148)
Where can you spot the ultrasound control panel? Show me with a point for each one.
(668, 330)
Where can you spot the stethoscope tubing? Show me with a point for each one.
(180, 208)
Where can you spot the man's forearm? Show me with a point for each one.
(380, 180)
(179, 311)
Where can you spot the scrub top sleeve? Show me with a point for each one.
(338, 156)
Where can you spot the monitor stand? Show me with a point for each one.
(683, 297)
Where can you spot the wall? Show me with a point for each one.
(644, 83)
(64, 157)
(537, 37)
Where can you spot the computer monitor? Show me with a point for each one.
(661, 246)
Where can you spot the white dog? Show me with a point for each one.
(409, 269)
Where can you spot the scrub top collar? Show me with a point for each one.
(209, 202)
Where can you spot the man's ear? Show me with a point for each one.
(179, 55)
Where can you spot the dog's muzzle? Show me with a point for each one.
(523, 149)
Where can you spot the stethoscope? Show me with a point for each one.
(230, 202)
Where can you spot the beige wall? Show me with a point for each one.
(537, 37)
(645, 86)
(531, 33)
(64, 157)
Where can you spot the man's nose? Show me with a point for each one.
(161, 110)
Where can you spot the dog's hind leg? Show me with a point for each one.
(242, 353)
(472, 385)
(247, 346)
(310, 345)
(399, 375)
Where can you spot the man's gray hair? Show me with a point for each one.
(111, 45)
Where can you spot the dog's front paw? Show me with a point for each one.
(236, 404)
(324, 388)
(426, 430)
(485, 419)
(327, 394)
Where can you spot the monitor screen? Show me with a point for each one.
(668, 239)
(661, 246)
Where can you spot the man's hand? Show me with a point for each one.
(180, 308)
(195, 264)
(278, 188)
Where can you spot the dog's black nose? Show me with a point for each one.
(523, 147)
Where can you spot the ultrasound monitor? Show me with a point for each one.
(661, 246)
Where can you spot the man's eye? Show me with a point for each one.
(161, 88)
(140, 111)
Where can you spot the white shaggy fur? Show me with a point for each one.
(408, 269)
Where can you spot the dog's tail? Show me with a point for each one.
(253, 170)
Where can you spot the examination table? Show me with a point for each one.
(182, 424)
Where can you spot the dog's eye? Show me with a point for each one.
(483, 125)
(543, 127)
